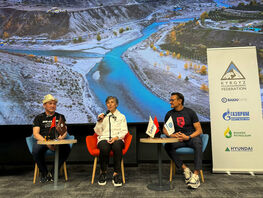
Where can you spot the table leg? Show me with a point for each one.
(160, 186)
(159, 163)
(55, 186)
(56, 167)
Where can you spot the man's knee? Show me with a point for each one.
(197, 144)
(167, 147)
(37, 150)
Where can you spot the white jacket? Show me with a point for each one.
(112, 125)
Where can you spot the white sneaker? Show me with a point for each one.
(194, 182)
(117, 181)
(187, 175)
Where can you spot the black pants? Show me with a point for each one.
(105, 149)
(39, 152)
(195, 143)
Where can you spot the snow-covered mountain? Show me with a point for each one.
(232, 75)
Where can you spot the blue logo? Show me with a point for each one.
(170, 125)
(236, 116)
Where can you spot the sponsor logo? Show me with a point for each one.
(233, 79)
(236, 115)
(225, 100)
(228, 133)
(239, 149)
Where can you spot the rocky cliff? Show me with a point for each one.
(35, 20)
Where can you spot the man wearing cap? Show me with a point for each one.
(41, 130)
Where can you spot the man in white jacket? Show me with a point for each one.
(111, 129)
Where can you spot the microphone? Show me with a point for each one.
(108, 111)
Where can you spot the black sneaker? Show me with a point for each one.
(43, 178)
(50, 177)
(117, 181)
(102, 179)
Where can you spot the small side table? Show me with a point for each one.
(159, 186)
(56, 143)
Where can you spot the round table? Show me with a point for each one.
(159, 186)
(56, 143)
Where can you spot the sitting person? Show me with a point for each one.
(41, 130)
(111, 129)
(187, 130)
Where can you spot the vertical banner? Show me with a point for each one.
(235, 110)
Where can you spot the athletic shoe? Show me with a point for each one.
(102, 179)
(187, 175)
(194, 182)
(117, 181)
(43, 178)
(50, 177)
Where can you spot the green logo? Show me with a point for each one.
(228, 133)
(227, 149)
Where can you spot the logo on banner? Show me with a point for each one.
(236, 115)
(228, 133)
(225, 100)
(233, 79)
(239, 149)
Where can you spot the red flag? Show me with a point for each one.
(53, 124)
(155, 121)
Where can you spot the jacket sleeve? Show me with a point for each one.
(98, 128)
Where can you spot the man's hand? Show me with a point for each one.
(60, 137)
(175, 135)
(181, 136)
(51, 147)
(113, 140)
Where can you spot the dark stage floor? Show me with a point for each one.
(16, 181)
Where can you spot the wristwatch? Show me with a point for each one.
(189, 137)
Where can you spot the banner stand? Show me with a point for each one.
(235, 110)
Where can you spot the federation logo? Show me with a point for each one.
(233, 79)
(232, 73)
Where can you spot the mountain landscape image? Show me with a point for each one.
(141, 51)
